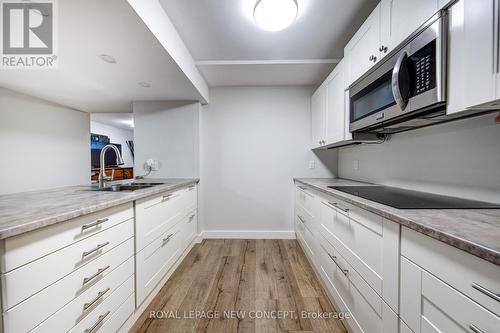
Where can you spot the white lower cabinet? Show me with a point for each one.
(157, 252)
(356, 255)
(353, 294)
(430, 305)
(86, 274)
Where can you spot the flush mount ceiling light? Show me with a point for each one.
(275, 15)
(107, 58)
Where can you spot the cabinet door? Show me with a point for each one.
(472, 55)
(428, 305)
(318, 113)
(400, 18)
(362, 50)
(335, 105)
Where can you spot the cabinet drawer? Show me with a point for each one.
(22, 249)
(191, 222)
(305, 219)
(154, 261)
(305, 199)
(21, 283)
(112, 313)
(156, 215)
(190, 198)
(306, 236)
(430, 305)
(371, 247)
(468, 274)
(16, 320)
(351, 292)
(64, 290)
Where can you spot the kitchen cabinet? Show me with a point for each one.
(400, 18)
(318, 114)
(430, 305)
(92, 270)
(165, 227)
(390, 23)
(356, 255)
(473, 75)
(335, 112)
(362, 51)
(78, 265)
(468, 274)
(328, 109)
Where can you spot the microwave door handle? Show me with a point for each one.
(396, 90)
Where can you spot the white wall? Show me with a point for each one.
(167, 132)
(42, 145)
(116, 135)
(254, 140)
(460, 158)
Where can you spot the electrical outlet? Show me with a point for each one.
(312, 164)
(152, 164)
(356, 165)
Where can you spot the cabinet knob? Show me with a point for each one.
(371, 57)
(374, 59)
(383, 48)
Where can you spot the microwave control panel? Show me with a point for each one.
(424, 69)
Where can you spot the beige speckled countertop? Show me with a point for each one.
(476, 231)
(23, 212)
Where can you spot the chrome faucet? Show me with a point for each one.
(102, 172)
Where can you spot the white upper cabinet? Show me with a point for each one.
(318, 112)
(473, 56)
(362, 50)
(327, 108)
(335, 114)
(390, 23)
(400, 18)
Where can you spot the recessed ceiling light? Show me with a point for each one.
(275, 15)
(145, 84)
(107, 58)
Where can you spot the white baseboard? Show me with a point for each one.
(247, 234)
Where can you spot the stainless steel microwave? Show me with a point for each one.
(407, 88)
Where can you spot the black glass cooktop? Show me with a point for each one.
(407, 199)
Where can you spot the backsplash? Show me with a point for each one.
(460, 158)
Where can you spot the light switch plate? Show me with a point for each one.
(312, 164)
(356, 165)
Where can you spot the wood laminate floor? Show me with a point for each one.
(254, 277)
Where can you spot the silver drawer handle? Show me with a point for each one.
(166, 197)
(94, 224)
(301, 219)
(96, 274)
(334, 259)
(475, 329)
(167, 239)
(191, 218)
(98, 323)
(97, 248)
(487, 292)
(336, 205)
(302, 188)
(190, 188)
(100, 294)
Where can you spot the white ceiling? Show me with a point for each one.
(219, 32)
(88, 28)
(120, 120)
